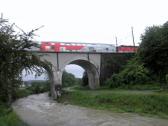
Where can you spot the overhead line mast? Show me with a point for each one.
(116, 44)
(132, 30)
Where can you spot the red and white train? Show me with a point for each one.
(85, 47)
(76, 47)
(126, 49)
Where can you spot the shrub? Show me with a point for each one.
(68, 79)
(114, 81)
(133, 73)
(20, 93)
(35, 88)
(39, 87)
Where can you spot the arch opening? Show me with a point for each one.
(72, 76)
(90, 70)
(37, 81)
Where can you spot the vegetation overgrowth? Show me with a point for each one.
(150, 103)
(134, 72)
(8, 117)
(14, 57)
(153, 51)
(149, 65)
(69, 80)
(35, 87)
(147, 70)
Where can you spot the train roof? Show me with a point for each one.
(79, 43)
(127, 46)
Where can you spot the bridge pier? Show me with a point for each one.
(56, 84)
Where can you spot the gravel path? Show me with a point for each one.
(39, 110)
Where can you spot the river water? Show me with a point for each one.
(40, 110)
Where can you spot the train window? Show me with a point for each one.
(107, 49)
(91, 48)
(62, 49)
(48, 47)
(52, 47)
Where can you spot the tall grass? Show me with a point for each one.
(11, 119)
(151, 103)
(8, 117)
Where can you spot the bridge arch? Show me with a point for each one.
(91, 70)
(91, 62)
(41, 67)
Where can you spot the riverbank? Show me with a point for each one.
(147, 102)
(8, 117)
(40, 110)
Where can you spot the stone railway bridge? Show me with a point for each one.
(90, 62)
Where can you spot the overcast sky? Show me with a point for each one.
(86, 20)
(93, 21)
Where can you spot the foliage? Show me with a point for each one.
(8, 117)
(35, 87)
(68, 80)
(115, 81)
(22, 92)
(14, 56)
(4, 109)
(39, 87)
(150, 61)
(146, 102)
(113, 63)
(133, 73)
(153, 50)
(139, 87)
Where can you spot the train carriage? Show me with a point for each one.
(76, 47)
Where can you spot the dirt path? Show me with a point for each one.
(39, 110)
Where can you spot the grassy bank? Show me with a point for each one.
(8, 117)
(142, 102)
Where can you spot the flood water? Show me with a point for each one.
(40, 110)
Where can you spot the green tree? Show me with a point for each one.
(153, 50)
(68, 79)
(112, 64)
(133, 73)
(14, 56)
